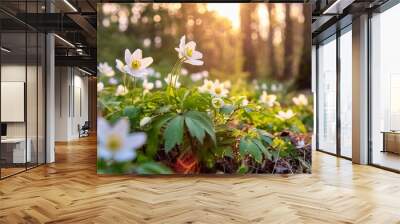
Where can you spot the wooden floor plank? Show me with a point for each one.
(70, 191)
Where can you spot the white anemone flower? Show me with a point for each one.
(158, 84)
(219, 90)
(285, 115)
(135, 63)
(173, 80)
(207, 86)
(300, 144)
(217, 102)
(121, 90)
(100, 86)
(144, 121)
(120, 65)
(227, 84)
(116, 143)
(147, 86)
(105, 69)
(264, 86)
(184, 72)
(244, 101)
(300, 100)
(196, 76)
(189, 53)
(268, 100)
(113, 81)
(274, 87)
(149, 71)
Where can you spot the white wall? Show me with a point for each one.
(71, 102)
(33, 126)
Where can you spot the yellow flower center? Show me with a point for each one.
(209, 85)
(218, 90)
(136, 64)
(114, 142)
(189, 52)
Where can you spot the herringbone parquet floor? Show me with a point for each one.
(69, 191)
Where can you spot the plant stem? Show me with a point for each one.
(178, 74)
(134, 87)
(276, 161)
(125, 80)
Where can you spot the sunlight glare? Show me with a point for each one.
(227, 10)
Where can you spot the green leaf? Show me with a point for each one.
(242, 169)
(247, 146)
(259, 145)
(131, 111)
(153, 168)
(195, 128)
(228, 152)
(227, 109)
(153, 134)
(205, 122)
(163, 109)
(262, 148)
(173, 134)
(223, 151)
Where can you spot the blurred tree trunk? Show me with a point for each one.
(270, 40)
(246, 21)
(303, 79)
(288, 46)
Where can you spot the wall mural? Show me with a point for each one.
(204, 88)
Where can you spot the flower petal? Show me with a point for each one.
(135, 140)
(137, 54)
(191, 45)
(194, 62)
(104, 129)
(145, 62)
(127, 56)
(121, 127)
(103, 153)
(196, 55)
(182, 42)
(125, 155)
(119, 65)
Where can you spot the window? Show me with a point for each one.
(346, 93)
(327, 96)
(22, 77)
(385, 89)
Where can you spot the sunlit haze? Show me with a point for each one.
(228, 10)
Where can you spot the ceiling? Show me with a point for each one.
(73, 21)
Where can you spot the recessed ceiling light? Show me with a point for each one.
(5, 50)
(84, 71)
(337, 7)
(64, 40)
(70, 5)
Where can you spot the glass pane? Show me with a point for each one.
(327, 97)
(14, 153)
(346, 94)
(41, 99)
(385, 84)
(31, 98)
